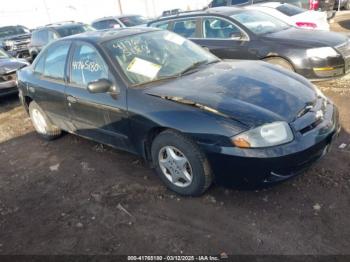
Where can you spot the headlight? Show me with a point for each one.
(268, 135)
(9, 44)
(322, 52)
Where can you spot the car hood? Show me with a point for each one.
(253, 93)
(9, 65)
(305, 37)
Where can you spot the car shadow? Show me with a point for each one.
(8, 103)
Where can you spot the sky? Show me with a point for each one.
(34, 13)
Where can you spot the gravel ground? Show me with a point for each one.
(73, 196)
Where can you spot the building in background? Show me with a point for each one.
(34, 13)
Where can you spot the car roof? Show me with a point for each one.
(267, 4)
(112, 17)
(109, 34)
(59, 25)
(224, 10)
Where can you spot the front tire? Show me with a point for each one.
(42, 123)
(180, 164)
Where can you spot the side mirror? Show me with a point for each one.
(100, 86)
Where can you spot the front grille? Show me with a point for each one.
(344, 49)
(311, 117)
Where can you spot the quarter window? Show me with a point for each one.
(186, 28)
(87, 66)
(218, 28)
(56, 60)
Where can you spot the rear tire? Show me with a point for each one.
(278, 61)
(180, 164)
(42, 123)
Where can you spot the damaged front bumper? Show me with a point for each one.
(258, 167)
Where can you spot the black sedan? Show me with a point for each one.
(193, 116)
(8, 68)
(234, 33)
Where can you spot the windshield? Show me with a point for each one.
(149, 57)
(3, 54)
(260, 23)
(73, 30)
(12, 31)
(133, 20)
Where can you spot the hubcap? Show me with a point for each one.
(175, 166)
(39, 121)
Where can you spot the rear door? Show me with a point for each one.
(49, 83)
(102, 117)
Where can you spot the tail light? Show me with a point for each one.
(307, 25)
(314, 4)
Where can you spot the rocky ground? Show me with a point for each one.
(73, 196)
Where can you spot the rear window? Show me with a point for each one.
(290, 10)
(72, 30)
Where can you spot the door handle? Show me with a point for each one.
(72, 99)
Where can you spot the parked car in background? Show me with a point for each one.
(293, 15)
(322, 5)
(44, 35)
(193, 116)
(14, 40)
(236, 33)
(119, 22)
(8, 68)
(171, 12)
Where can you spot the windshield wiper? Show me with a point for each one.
(193, 66)
(190, 68)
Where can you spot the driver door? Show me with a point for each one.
(102, 116)
(224, 39)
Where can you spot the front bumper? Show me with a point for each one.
(8, 84)
(256, 167)
(324, 69)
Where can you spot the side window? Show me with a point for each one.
(43, 37)
(87, 66)
(112, 24)
(218, 28)
(217, 3)
(52, 36)
(185, 28)
(39, 66)
(240, 2)
(97, 25)
(162, 25)
(55, 61)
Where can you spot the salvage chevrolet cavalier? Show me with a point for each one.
(194, 117)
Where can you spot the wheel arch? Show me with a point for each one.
(278, 57)
(147, 143)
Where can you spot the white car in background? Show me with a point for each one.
(293, 15)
